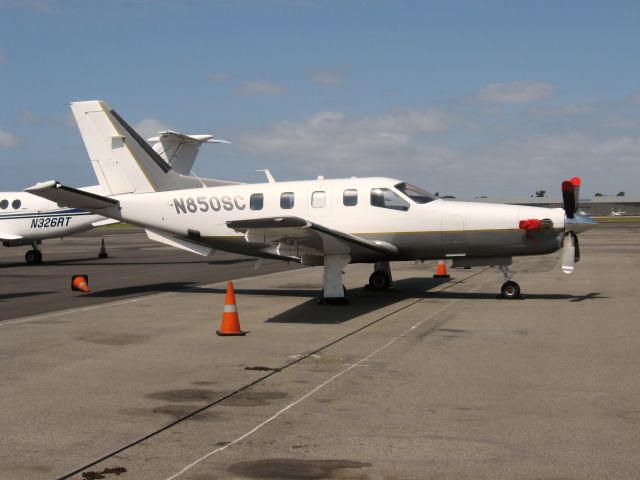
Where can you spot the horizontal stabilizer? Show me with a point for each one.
(105, 222)
(177, 242)
(72, 197)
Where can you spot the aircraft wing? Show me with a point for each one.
(295, 236)
(6, 237)
(72, 197)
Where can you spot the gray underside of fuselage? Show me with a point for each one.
(424, 245)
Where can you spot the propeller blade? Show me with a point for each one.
(568, 254)
(576, 257)
(570, 196)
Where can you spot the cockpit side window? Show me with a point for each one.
(387, 198)
(416, 194)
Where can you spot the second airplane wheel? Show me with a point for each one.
(33, 256)
(510, 290)
(379, 281)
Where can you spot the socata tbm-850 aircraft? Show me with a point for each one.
(318, 222)
(27, 220)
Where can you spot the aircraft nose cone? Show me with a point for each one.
(579, 223)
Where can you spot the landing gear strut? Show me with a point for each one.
(33, 256)
(334, 292)
(510, 290)
(380, 279)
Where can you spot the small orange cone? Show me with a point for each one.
(80, 283)
(441, 270)
(230, 320)
(103, 251)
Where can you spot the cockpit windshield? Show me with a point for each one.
(416, 194)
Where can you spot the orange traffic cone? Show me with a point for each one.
(103, 251)
(441, 270)
(80, 283)
(230, 320)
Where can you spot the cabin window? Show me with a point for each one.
(4, 204)
(16, 204)
(416, 194)
(318, 199)
(386, 198)
(256, 201)
(287, 200)
(350, 197)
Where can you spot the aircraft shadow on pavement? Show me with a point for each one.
(10, 296)
(138, 289)
(92, 261)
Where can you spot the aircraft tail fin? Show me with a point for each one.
(122, 160)
(180, 150)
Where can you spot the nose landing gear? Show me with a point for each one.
(510, 290)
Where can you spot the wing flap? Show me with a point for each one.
(178, 242)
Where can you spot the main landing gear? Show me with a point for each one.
(381, 278)
(33, 256)
(510, 290)
(334, 292)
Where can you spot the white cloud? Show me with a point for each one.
(344, 143)
(261, 88)
(149, 127)
(29, 117)
(220, 77)
(515, 92)
(327, 77)
(8, 139)
(461, 149)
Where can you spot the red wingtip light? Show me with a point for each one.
(576, 181)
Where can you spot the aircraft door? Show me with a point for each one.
(454, 235)
(319, 202)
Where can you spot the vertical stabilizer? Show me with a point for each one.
(122, 160)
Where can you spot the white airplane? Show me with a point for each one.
(26, 219)
(618, 213)
(318, 222)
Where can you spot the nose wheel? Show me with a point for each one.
(510, 290)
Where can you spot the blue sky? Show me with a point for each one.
(495, 98)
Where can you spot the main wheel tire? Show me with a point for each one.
(38, 256)
(31, 257)
(379, 281)
(510, 290)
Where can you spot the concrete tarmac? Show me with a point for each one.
(135, 266)
(431, 380)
